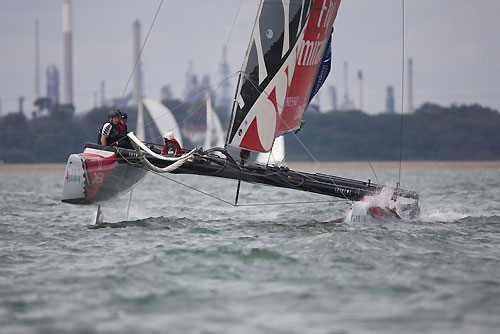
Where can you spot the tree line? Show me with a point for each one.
(433, 132)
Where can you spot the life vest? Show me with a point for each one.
(114, 134)
(123, 129)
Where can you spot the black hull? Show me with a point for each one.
(211, 165)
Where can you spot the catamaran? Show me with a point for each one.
(287, 61)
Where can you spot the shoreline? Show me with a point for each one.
(415, 165)
(320, 167)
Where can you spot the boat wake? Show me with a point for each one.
(152, 223)
(387, 204)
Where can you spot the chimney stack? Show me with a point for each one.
(21, 102)
(137, 92)
(410, 86)
(346, 85)
(37, 63)
(68, 54)
(103, 92)
(333, 99)
(360, 90)
(389, 100)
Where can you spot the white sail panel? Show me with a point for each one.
(162, 117)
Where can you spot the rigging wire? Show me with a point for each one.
(293, 132)
(140, 53)
(402, 91)
(227, 41)
(354, 144)
(237, 205)
(199, 108)
(204, 92)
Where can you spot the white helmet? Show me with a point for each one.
(169, 135)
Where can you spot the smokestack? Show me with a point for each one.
(318, 100)
(360, 90)
(53, 84)
(389, 100)
(333, 99)
(346, 92)
(103, 91)
(137, 92)
(21, 102)
(225, 100)
(37, 63)
(410, 86)
(347, 104)
(68, 54)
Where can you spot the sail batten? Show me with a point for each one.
(281, 66)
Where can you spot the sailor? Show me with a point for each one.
(123, 124)
(124, 140)
(244, 156)
(110, 132)
(171, 147)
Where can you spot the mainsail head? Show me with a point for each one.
(281, 66)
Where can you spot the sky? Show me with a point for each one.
(454, 45)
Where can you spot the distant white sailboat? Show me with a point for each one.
(214, 135)
(157, 120)
(275, 157)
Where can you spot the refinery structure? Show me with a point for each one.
(60, 84)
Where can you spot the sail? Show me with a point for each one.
(214, 133)
(277, 154)
(280, 68)
(158, 120)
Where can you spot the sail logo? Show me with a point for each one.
(310, 52)
(343, 191)
(98, 178)
(72, 177)
(291, 101)
(330, 11)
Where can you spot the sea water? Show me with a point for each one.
(184, 262)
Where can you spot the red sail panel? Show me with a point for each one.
(309, 51)
(280, 67)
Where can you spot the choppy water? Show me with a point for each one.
(184, 263)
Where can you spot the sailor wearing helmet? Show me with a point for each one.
(110, 132)
(171, 147)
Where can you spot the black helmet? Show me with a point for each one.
(124, 115)
(115, 113)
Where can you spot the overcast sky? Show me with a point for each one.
(454, 45)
